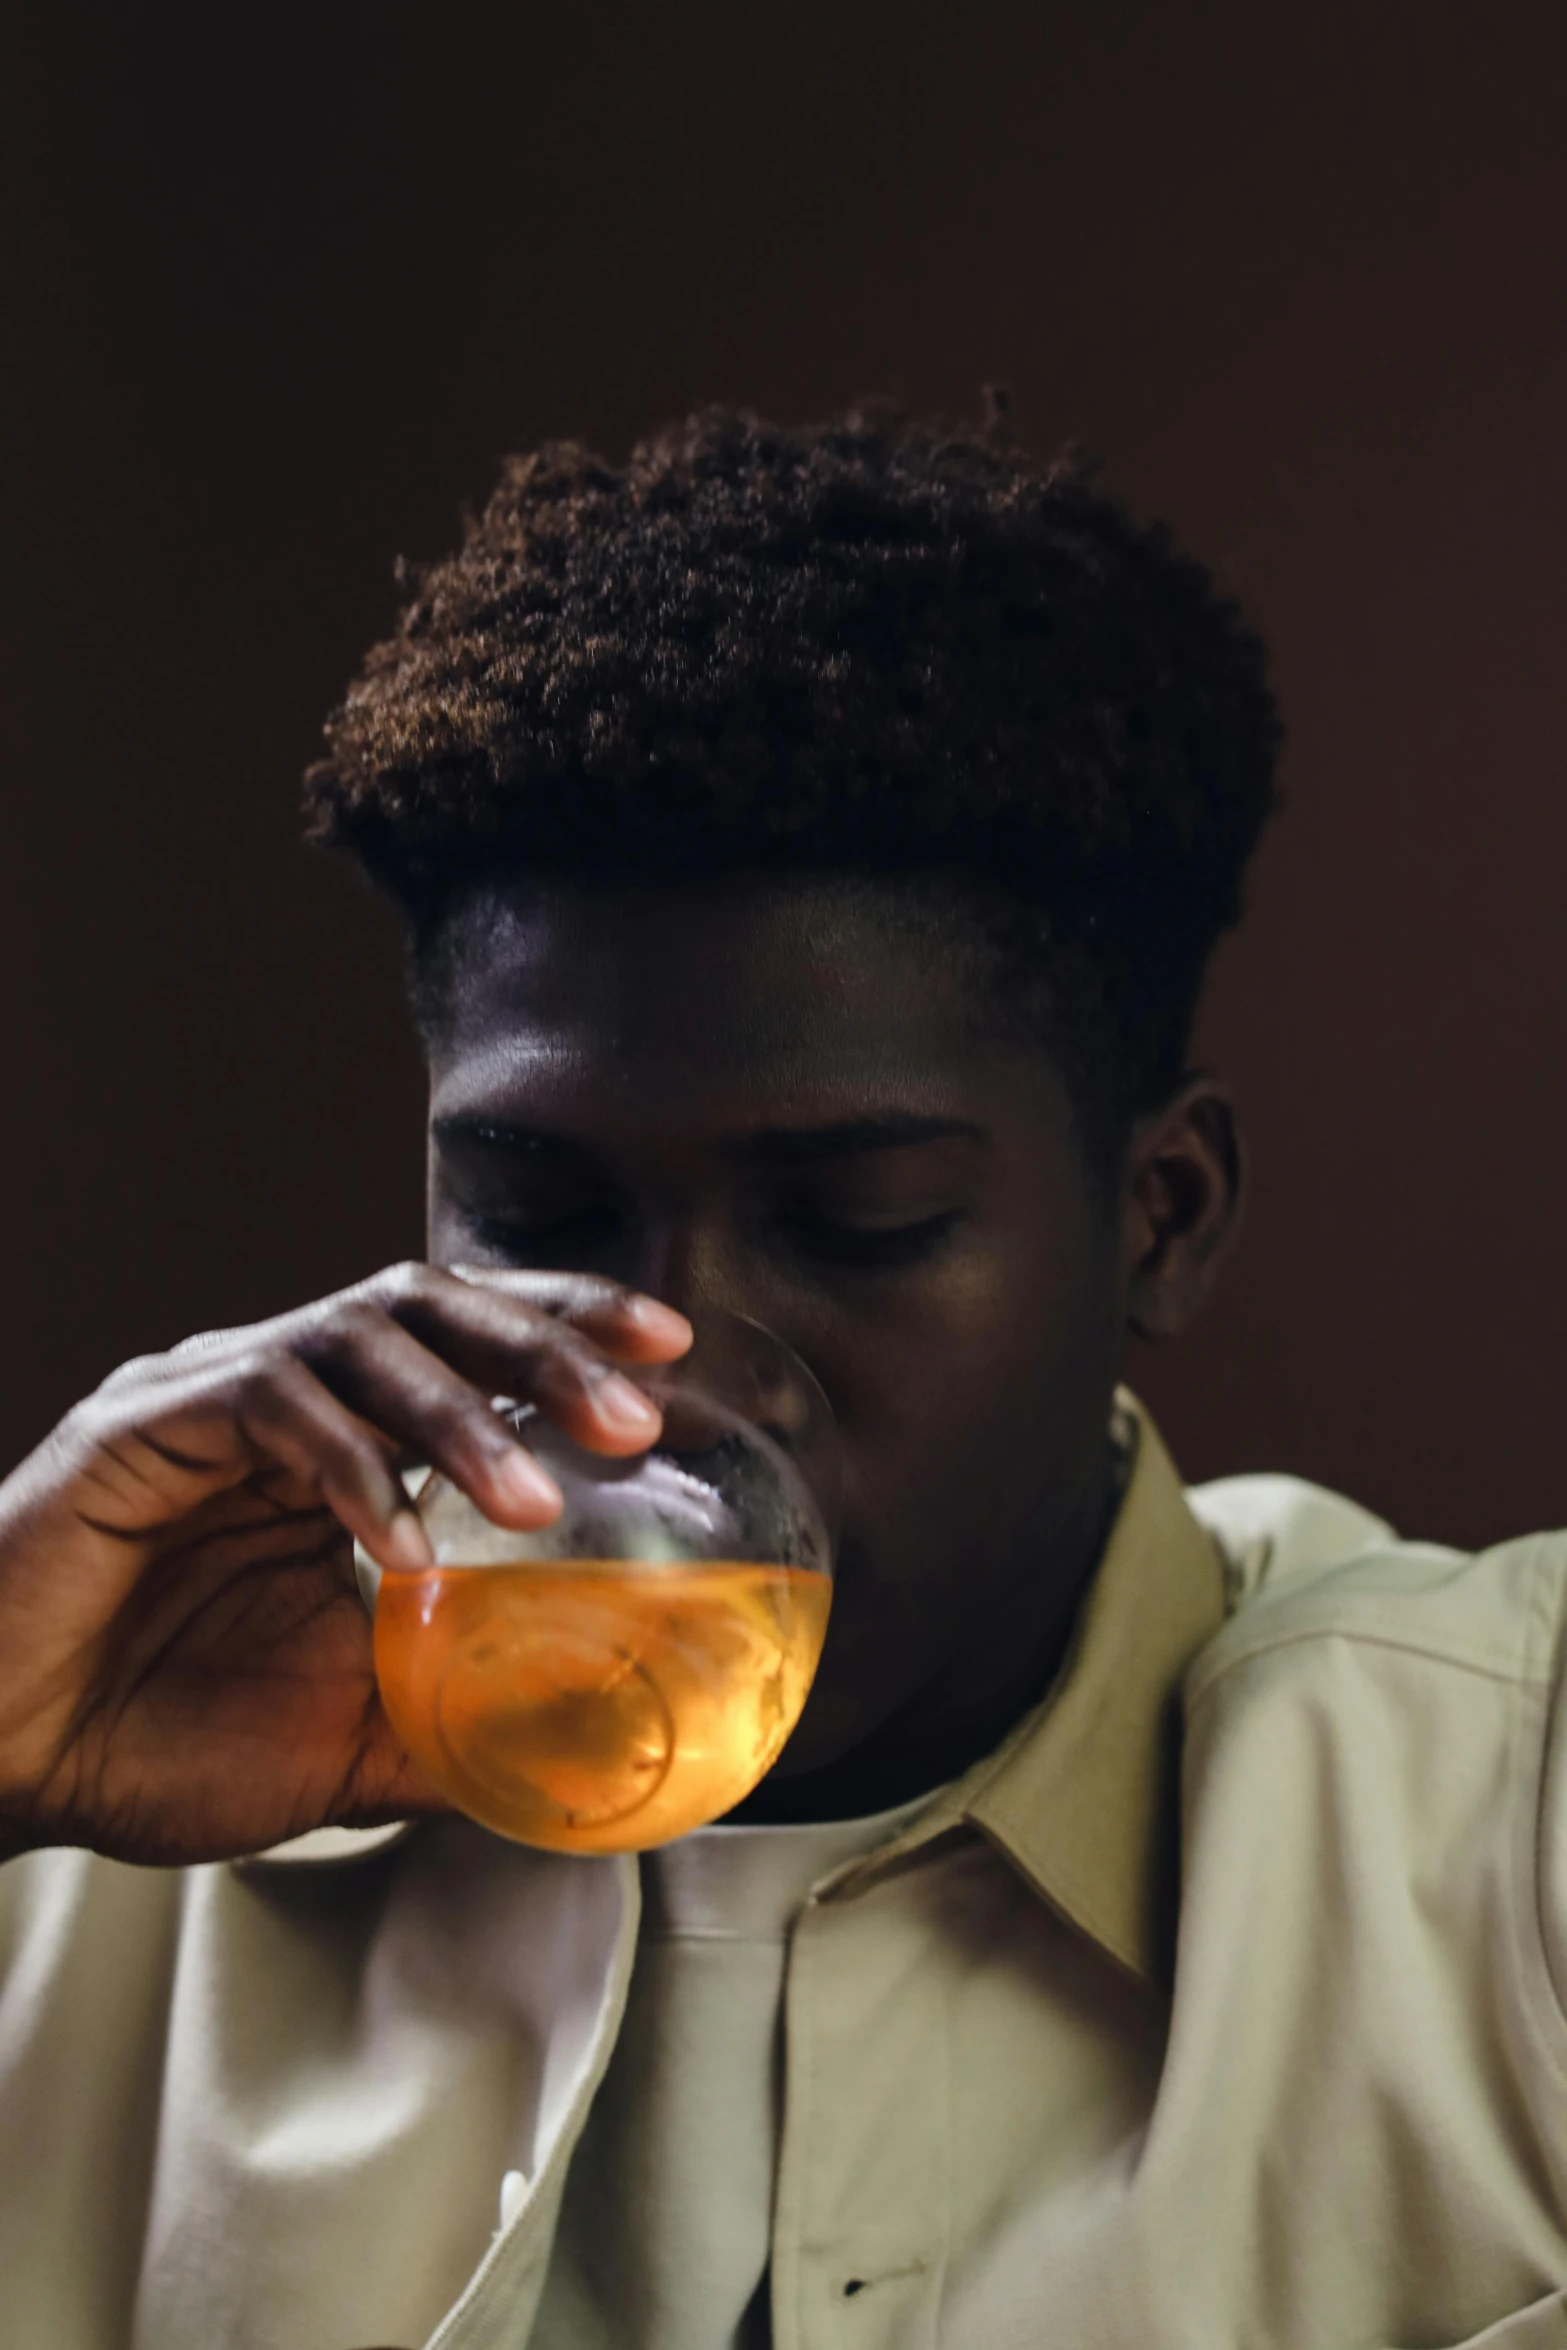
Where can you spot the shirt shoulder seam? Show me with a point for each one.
(1370, 1631)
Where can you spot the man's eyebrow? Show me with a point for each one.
(471, 1126)
(783, 1146)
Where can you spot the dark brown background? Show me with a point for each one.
(280, 285)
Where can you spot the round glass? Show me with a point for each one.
(631, 1671)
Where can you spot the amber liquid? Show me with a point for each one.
(598, 1705)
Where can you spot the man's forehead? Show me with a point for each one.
(792, 981)
(719, 1011)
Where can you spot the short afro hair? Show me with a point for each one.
(878, 646)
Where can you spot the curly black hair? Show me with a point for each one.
(878, 646)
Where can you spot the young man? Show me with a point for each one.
(811, 844)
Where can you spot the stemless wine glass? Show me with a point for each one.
(630, 1672)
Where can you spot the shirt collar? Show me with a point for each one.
(1083, 1795)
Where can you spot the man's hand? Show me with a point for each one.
(185, 1666)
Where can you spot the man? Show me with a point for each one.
(810, 843)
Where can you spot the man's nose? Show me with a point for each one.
(691, 1261)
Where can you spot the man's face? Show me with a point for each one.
(770, 1097)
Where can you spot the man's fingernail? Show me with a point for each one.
(526, 1485)
(624, 1406)
(407, 1544)
(659, 1321)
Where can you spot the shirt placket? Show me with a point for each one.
(498, 2308)
(862, 2214)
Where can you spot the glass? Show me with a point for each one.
(630, 1672)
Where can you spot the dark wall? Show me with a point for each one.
(280, 285)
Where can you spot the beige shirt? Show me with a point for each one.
(666, 2227)
(1028, 2099)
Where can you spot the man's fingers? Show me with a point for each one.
(383, 1372)
(286, 1415)
(502, 1342)
(627, 1324)
(142, 1468)
(405, 1363)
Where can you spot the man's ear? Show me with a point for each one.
(1185, 1184)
